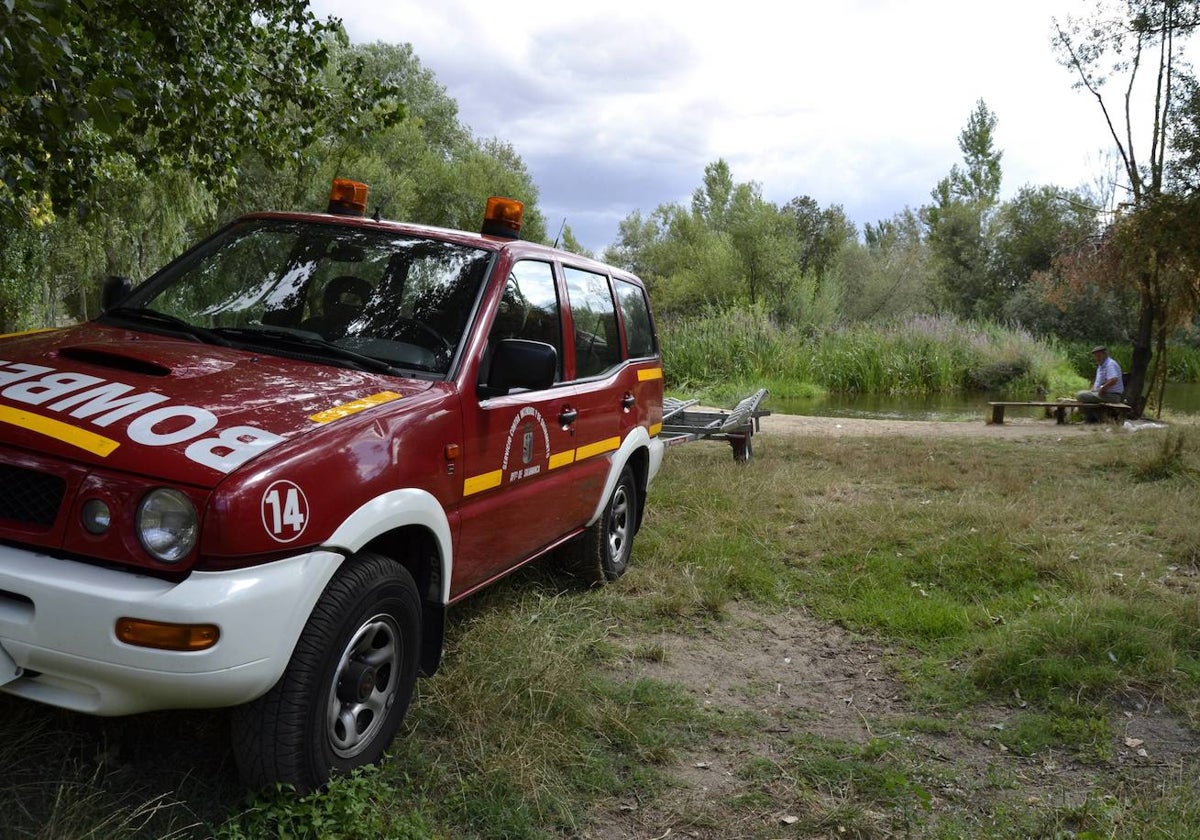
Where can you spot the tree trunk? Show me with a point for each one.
(1136, 381)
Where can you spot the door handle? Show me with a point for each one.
(628, 401)
(567, 416)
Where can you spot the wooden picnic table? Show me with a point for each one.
(1059, 408)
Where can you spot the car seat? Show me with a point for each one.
(344, 299)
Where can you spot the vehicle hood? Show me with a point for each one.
(170, 408)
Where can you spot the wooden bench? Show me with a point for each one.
(1058, 409)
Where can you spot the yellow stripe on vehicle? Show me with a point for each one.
(598, 448)
(654, 429)
(29, 332)
(561, 459)
(479, 483)
(73, 435)
(345, 410)
(646, 374)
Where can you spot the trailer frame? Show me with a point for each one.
(682, 423)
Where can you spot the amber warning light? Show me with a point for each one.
(502, 217)
(167, 636)
(348, 198)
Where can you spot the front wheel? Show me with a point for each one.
(347, 686)
(602, 554)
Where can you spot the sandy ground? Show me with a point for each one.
(1014, 427)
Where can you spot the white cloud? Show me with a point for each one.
(619, 106)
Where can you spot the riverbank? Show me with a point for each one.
(1017, 427)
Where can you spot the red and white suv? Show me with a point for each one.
(259, 479)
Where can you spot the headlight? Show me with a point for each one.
(167, 524)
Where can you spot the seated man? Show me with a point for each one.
(1108, 386)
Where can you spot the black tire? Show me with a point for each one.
(602, 554)
(347, 686)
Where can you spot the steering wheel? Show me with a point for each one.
(421, 326)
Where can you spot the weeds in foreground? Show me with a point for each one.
(1042, 578)
(1166, 462)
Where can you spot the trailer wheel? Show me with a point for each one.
(348, 684)
(602, 554)
(743, 449)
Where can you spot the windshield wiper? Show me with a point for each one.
(287, 339)
(161, 319)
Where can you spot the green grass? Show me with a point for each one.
(723, 353)
(1047, 581)
(1184, 361)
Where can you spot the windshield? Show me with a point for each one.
(325, 291)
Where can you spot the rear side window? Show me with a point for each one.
(597, 340)
(639, 330)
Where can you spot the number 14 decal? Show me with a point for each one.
(284, 511)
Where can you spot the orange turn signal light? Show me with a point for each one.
(502, 217)
(348, 198)
(166, 636)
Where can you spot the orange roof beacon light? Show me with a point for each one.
(348, 198)
(502, 217)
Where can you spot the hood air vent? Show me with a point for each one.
(110, 359)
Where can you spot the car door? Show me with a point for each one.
(596, 354)
(518, 449)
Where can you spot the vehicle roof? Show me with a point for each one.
(497, 244)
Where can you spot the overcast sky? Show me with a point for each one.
(618, 106)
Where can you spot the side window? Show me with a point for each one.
(597, 341)
(529, 308)
(639, 330)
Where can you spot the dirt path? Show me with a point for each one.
(803, 678)
(1016, 427)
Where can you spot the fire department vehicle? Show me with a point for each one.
(259, 479)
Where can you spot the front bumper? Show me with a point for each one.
(58, 620)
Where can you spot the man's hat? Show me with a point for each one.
(1099, 348)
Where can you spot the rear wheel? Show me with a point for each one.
(347, 686)
(602, 554)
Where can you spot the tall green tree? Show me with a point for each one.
(734, 248)
(766, 250)
(821, 233)
(185, 84)
(1138, 45)
(637, 238)
(710, 201)
(888, 275)
(958, 219)
(979, 181)
(425, 166)
(1033, 232)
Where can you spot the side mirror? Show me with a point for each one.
(114, 290)
(517, 363)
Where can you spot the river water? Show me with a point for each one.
(1183, 398)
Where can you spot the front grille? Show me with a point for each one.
(29, 497)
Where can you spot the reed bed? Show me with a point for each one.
(916, 355)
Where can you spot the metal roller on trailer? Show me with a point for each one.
(683, 423)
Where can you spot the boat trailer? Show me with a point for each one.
(682, 423)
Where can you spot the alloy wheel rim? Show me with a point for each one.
(364, 686)
(618, 525)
